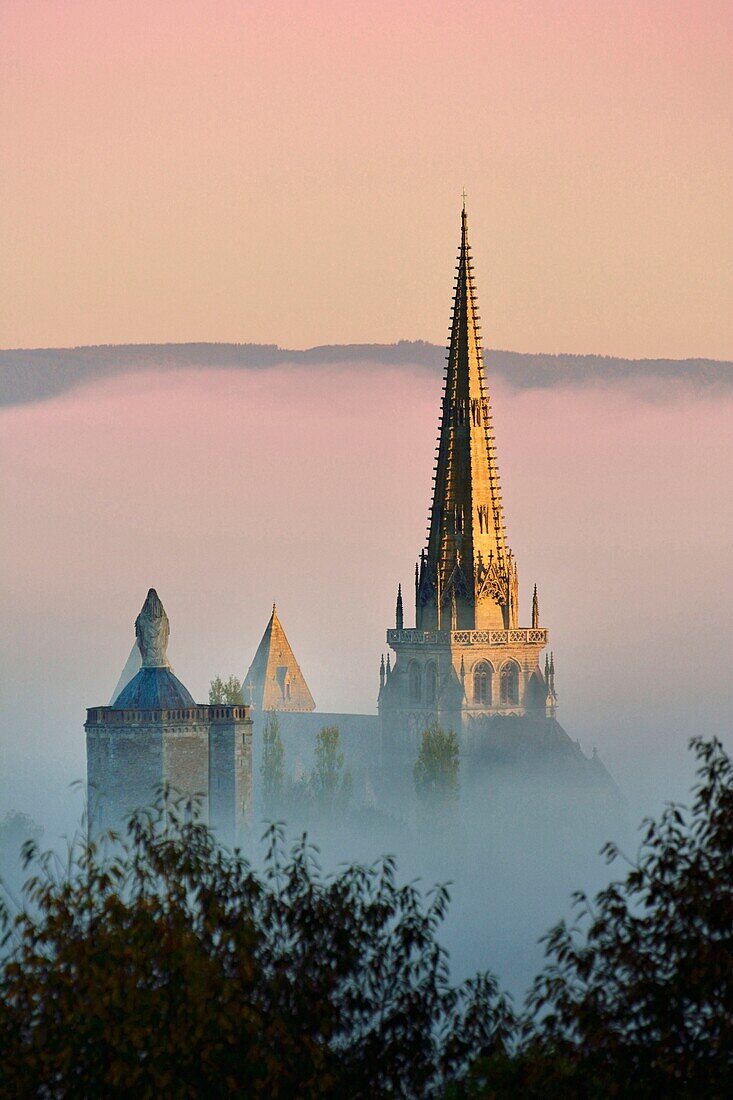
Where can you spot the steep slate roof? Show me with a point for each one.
(274, 680)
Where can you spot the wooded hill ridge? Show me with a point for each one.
(38, 374)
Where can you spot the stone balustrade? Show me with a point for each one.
(112, 716)
(525, 635)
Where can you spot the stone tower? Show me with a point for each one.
(154, 734)
(467, 659)
(274, 680)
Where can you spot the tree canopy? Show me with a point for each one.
(330, 781)
(169, 966)
(272, 768)
(226, 693)
(436, 770)
(636, 998)
(172, 968)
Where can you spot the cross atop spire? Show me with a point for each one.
(467, 579)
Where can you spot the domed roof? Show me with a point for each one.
(154, 687)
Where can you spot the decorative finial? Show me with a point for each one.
(535, 609)
(463, 196)
(399, 612)
(152, 630)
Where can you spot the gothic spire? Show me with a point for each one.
(399, 613)
(535, 608)
(468, 581)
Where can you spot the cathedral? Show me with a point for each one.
(467, 660)
(467, 663)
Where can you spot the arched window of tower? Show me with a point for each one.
(431, 683)
(415, 680)
(509, 684)
(482, 674)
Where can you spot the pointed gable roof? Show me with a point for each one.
(274, 680)
(467, 561)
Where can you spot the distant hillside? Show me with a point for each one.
(38, 374)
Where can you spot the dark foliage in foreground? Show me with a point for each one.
(637, 997)
(174, 969)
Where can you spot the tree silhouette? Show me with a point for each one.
(330, 781)
(172, 968)
(226, 692)
(272, 769)
(636, 999)
(436, 771)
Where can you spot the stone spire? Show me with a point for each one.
(466, 580)
(535, 608)
(274, 680)
(551, 702)
(399, 612)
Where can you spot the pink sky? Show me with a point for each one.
(226, 490)
(291, 172)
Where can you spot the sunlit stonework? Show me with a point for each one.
(467, 658)
(274, 680)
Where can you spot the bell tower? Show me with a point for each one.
(467, 658)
